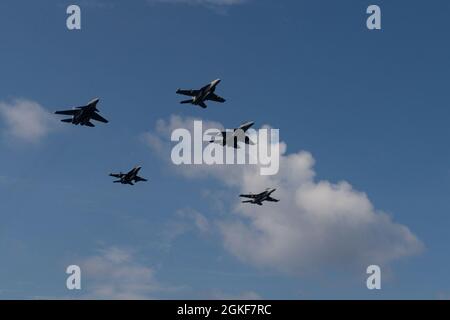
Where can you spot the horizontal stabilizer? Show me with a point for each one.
(251, 196)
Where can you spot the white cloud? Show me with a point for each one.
(25, 120)
(199, 220)
(185, 221)
(114, 274)
(317, 224)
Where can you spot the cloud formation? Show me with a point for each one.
(114, 274)
(316, 225)
(25, 120)
(186, 220)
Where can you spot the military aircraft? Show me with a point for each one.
(128, 178)
(231, 139)
(83, 115)
(202, 95)
(260, 197)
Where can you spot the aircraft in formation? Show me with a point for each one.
(260, 197)
(201, 96)
(231, 139)
(83, 115)
(128, 178)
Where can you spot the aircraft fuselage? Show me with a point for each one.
(261, 197)
(84, 114)
(205, 92)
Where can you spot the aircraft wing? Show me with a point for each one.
(216, 98)
(191, 93)
(133, 171)
(67, 112)
(96, 116)
(206, 87)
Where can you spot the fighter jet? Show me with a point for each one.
(202, 95)
(231, 139)
(83, 115)
(128, 178)
(260, 197)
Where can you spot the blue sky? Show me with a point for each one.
(366, 107)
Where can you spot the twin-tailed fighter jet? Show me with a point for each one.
(128, 178)
(231, 138)
(204, 94)
(83, 115)
(260, 197)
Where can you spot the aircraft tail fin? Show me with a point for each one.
(249, 141)
(67, 120)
